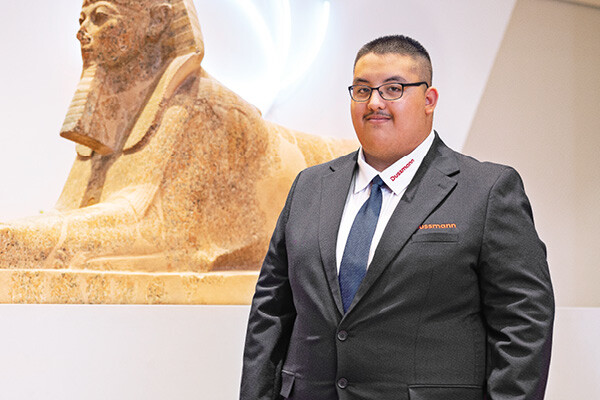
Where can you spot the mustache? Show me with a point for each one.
(377, 113)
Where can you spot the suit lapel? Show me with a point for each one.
(429, 187)
(333, 198)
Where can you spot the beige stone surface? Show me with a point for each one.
(177, 181)
(43, 286)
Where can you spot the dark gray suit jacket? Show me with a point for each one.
(457, 303)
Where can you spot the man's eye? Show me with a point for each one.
(394, 88)
(362, 90)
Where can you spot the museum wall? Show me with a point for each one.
(539, 113)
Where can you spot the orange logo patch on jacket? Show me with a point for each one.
(437, 226)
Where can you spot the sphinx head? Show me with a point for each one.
(115, 32)
(126, 45)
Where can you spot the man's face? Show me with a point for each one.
(110, 33)
(389, 130)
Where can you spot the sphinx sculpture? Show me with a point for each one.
(177, 182)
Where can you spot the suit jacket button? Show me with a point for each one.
(342, 335)
(342, 383)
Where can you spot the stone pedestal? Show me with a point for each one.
(107, 287)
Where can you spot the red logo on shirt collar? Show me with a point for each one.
(393, 177)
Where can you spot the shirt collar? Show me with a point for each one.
(398, 175)
(365, 174)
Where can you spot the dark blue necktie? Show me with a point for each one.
(353, 266)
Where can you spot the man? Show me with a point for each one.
(404, 270)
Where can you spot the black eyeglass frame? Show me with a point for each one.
(403, 85)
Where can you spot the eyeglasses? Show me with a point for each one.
(388, 91)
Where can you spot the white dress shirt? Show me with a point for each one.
(396, 177)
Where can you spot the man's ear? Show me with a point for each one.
(160, 18)
(431, 98)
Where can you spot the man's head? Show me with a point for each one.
(390, 129)
(402, 45)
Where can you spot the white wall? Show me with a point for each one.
(193, 352)
(74, 352)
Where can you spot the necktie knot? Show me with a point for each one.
(377, 183)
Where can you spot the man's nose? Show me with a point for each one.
(376, 102)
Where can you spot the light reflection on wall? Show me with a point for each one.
(288, 39)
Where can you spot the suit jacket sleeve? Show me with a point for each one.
(518, 303)
(271, 319)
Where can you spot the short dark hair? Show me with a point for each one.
(399, 44)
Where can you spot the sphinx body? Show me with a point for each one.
(174, 172)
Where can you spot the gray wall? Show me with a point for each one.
(540, 112)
